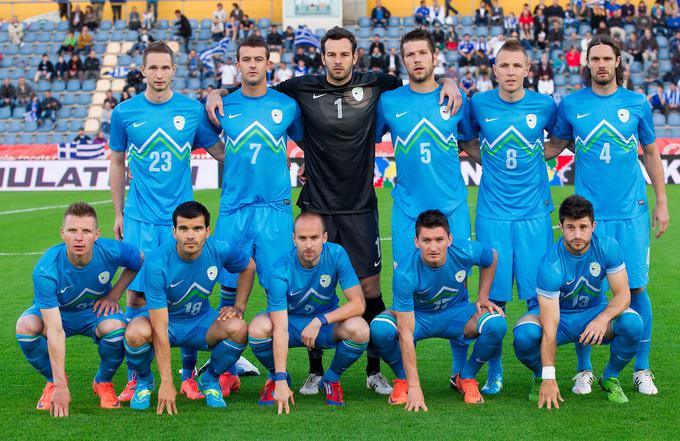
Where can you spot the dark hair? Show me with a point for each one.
(608, 41)
(81, 209)
(191, 210)
(417, 35)
(576, 207)
(159, 47)
(307, 214)
(513, 45)
(432, 219)
(252, 40)
(338, 33)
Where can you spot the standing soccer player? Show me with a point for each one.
(607, 123)
(573, 306)
(179, 279)
(157, 130)
(338, 111)
(73, 296)
(513, 203)
(303, 310)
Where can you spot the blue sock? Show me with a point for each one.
(628, 329)
(227, 296)
(189, 357)
(34, 348)
(459, 351)
(495, 365)
(384, 338)
(641, 304)
(224, 355)
(111, 353)
(527, 344)
(583, 362)
(346, 353)
(132, 312)
(263, 350)
(139, 360)
(492, 329)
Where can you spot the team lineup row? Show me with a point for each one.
(336, 119)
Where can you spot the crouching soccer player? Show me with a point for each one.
(573, 306)
(73, 296)
(179, 278)
(302, 310)
(431, 301)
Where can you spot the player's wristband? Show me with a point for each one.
(548, 373)
(280, 376)
(323, 320)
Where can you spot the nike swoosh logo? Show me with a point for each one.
(64, 290)
(399, 115)
(570, 282)
(490, 119)
(375, 264)
(315, 96)
(293, 294)
(234, 116)
(579, 116)
(172, 285)
(137, 124)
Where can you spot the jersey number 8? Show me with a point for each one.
(193, 308)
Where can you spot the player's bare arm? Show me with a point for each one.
(485, 280)
(472, 149)
(244, 286)
(550, 318)
(599, 328)
(652, 162)
(117, 180)
(555, 146)
(282, 393)
(56, 346)
(355, 307)
(109, 304)
(406, 323)
(216, 151)
(161, 346)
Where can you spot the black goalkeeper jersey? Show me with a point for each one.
(339, 140)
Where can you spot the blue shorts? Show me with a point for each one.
(520, 244)
(633, 238)
(447, 323)
(191, 333)
(264, 232)
(147, 237)
(404, 229)
(573, 322)
(79, 322)
(297, 323)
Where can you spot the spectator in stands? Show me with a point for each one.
(45, 69)
(439, 37)
(482, 15)
(448, 7)
(380, 15)
(530, 81)
(484, 84)
(110, 99)
(64, 8)
(495, 45)
(673, 22)
(539, 7)
(217, 29)
(437, 14)
(627, 82)
(422, 14)
(235, 16)
(24, 92)
(658, 100)
(559, 64)
(76, 20)
(632, 50)
(376, 43)
(219, 13)
(227, 74)
(300, 55)
(452, 73)
(91, 66)
(362, 60)
(81, 137)
(546, 86)
(195, 66)
(467, 83)
(134, 79)
(49, 108)
(153, 4)
(544, 67)
(649, 46)
(674, 43)
(643, 21)
(90, 18)
(117, 9)
(100, 138)
(247, 26)
(555, 11)
(393, 62)
(282, 74)
(74, 68)
(652, 74)
(511, 23)
(376, 62)
(466, 50)
(526, 24)
(134, 19)
(69, 43)
(32, 112)
(16, 31)
(301, 68)
(675, 67)
(98, 8)
(659, 22)
(182, 29)
(125, 95)
(570, 15)
(313, 60)
(288, 39)
(60, 68)
(615, 21)
(143, 41)
(573, 59)
(628, 12)
(84, 43)
(275, 39)
(148, 19)
(105, 118)
(452, 40)
(540, 34)
(496, 14)
(672, 95)
(481, 55)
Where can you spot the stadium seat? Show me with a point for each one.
(45, 128)
(394, 33)
(62, 26)
(663, 132)
(69, 99)
(3, 127)
(630, 28)
(637, 78)
(110, 60)
(30, 37)
(482, 31)
(124, 60)
(575, 80)
(30, 126)
(584, 28)
(179, 83)
(73, 86)
(393, 22)
(408, 22)
(26, 49)
(664, 54)
(496, 31)
(194, 23)
(635, 67)
(120, 25)
(14, 127)
(131, 35)
(4, 38)
(44, 38)
(206, 23)
(674, 119)
(74, 126)
(675, 132)
(287, 58)
(98, 98)
(113, 48)
(103, 85)
(182, 72)
(560, 80)
(5, 113)
(95, 112)
(194, 83)
(364, 22)
(125, 46)
(101, 37)
(105, 25)
(25, 138)
(180, 58)
(659, 119)
(665, 66)
(9, 138)
(392, 44)
(364, 33)
(118, 36)
(162, 24)
(139, 60)
(467, 20)
(467, 30)
(62, 126)
(18, 113)
(91, 125)
(88, 86)
(205, 34)
(117, 85)
(65, 111)
(263, 23)
(47, 26)
(42, 138)
(320, 32)
(84, 99)
(662, 41)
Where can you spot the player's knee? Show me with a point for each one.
(234, 329)
(383, 327)
(261, 327)
(527, 336)
(29, 325)
(629, 326)
(138, 332)
(493, 325)
(358, 329)
(108, 326)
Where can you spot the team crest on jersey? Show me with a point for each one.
(460, 276)
(358, 93)
(179, 122)
(531, 120)
(104, 277)
(325, 280)
(444, 113)
(212, 273)
(624, 115)
(277, 116)
(595, 269)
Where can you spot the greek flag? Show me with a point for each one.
(306, 37)
(72, 150)
(206, 55)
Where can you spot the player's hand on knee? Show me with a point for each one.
(594, 332)
(415, 400)
(61, 397)
(167, 395)
(227, 312)
(549, 395)
(106, 306)
(490, 306)
(310, 333)
(282, 396)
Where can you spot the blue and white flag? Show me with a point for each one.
(206, 55)
(72, 150)
(304, 36)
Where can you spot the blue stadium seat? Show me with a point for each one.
(637, 78)
(101, 37)
(662, 132)
(665, 66)
(583, 28)
(131, 35)
(194, 23)
(119, 25)
(14, 127)
(34, 61)
(44, 38)
(205, 34)
(62, 126)
(62, 26)
(570, 30)
(73, 86)
(560, 80)
(65, 111)
(408, 22)
(180, 58)
(138, 59)
(88, 86)
(467, 30)
(58, 86)
(9, 138)
(182, 72)
(99, 48)
(84, 99)
(394, 22)
(179, 83)
(379, 31)
(30, 37)
(664, 54)
(124, 60)
(105, 25)
(361, 44)
(675, 132)
(5, 113)
(4, 38)
(496, 30)
(25, 138)
(79, 112)
(11, 50)
(206, 23)
(287, 57)
(69, 99)
(630, 28)
(635, 67)
(662, 41)
(3, 127)
(232, 46)
(482, 30)
(320, 32)
(16, 74)
(451, 57)
(263, 23)
(674, 119)
(364, 33)
(48, 26)
(364, 22)
(194, 83)
(45, 127)
(117, 36)
(30, 126)
(162, 24)
(26, 49)
(659, 119)
(74, 126)
(392, 44)
(7, 61)
(394, 32)
(18, 113)
(467, 20)
(41, 138)
(202, 46)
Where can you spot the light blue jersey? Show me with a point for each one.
(420, 288)
(514, 184)
(577, 280)
(158, 139)
(58, 283)
(607, 131)
(256, 159)
(184, 286)
(304, 291)
(425, 140)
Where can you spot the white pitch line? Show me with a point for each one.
(25, 253)
(48, 207)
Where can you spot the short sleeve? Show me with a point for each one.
(277, 293)
(44, 291)
(346, 275)
(380, 123)
(233, 259)
(296, 129)
(207, 133)
(402, 291)
(118, 137)
(387, 82)
(154, 282)
(474, 123)
(290, 87)
(613, 256)
(549, 280)
(465, 130)
(562, 129)
(129, 256)
(551, 111)
(646, 126)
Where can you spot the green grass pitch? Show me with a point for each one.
(367, 415)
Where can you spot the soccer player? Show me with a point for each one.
(607, 123)
(179, 279)
(513, 202)
(303, 310)
(431, 301)
(73, 296)
(338, 110)
(157, 130)
(573, 305)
